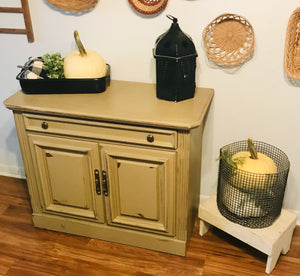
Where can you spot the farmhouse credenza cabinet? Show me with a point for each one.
(121, 165)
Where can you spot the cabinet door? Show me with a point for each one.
(65, 176)
(141, 187)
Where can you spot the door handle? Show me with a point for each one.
(104, 183)
(97, 182)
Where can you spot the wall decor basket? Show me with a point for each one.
(251, 199)
(74, 5)
(229, 39)
(292, 46)
(148, 6)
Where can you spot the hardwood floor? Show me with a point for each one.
(25, 250)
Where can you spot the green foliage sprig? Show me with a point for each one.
(226, 156)
(54, 65)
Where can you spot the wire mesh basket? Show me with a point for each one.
(251, 199)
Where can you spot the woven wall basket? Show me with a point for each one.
(148, 6)
(74, 5)
(228, 40)
(292, 46)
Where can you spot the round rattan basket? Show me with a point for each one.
(74, 5)
(148, 6)
(228, 40)
(292, 46)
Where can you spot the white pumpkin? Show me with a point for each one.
(242, 204)
(83, 63)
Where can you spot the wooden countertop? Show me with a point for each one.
(123, 102)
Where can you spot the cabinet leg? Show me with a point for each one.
(203, 227)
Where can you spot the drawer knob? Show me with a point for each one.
(150, 138)
(44, 125)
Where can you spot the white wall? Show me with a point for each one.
(256, 101)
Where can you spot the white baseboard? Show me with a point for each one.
(203, 198)
(296, 212)
(12, 171)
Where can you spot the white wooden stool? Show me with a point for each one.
(272, 240)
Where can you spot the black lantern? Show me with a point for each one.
(175, 55)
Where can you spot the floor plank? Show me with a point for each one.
(26, 250)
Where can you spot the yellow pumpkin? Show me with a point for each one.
(83, 63)
(263, 163)
(255, 163)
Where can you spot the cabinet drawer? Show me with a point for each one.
(103, 131)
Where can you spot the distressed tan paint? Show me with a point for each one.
(153, 185)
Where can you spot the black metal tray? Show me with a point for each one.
(65, 86)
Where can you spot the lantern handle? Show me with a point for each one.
(174, 19)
